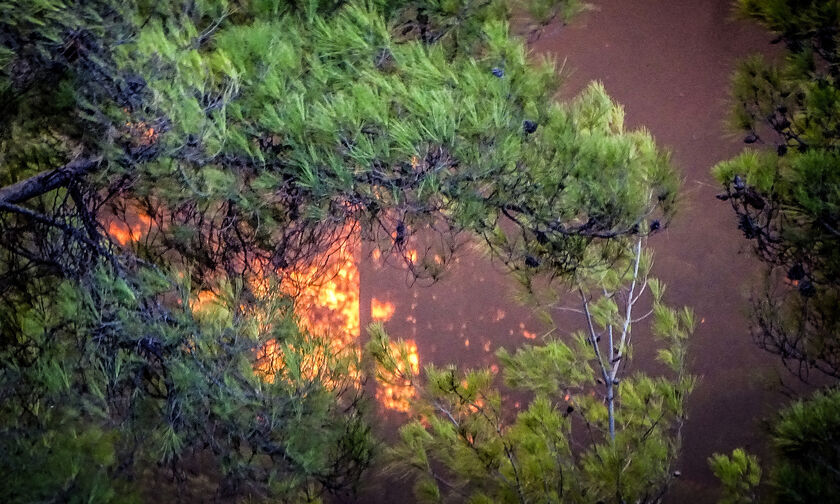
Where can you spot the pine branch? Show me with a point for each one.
(47, 181)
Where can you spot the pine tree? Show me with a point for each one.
(785, 193)
(805, 464)
(586, 430)
(784, 189)
(154, 151)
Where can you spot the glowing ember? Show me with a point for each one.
(141, 133)
(477, 405)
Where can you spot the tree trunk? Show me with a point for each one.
(611, 408)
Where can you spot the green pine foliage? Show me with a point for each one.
(100, 389)
(289, 121)
(739, 475)
(556, 432)
(786, 193)
(41, 100)
(806, 462)
(805, 438)
(351, 126)
(784, 190)
(249, 137)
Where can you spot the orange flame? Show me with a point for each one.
(477, 405)
(381, 311)
(141, 133)
(327, 304)
(203, 300)
(130, 231)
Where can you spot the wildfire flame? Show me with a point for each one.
(381, 311)
(330, 306)
(130, 231)
(326, 303)
(203, 300)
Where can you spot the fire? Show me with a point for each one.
(125, 232)
(141, 133)
(327, 305)
(269, 360)
(525, 333)
(397, 396)
(381, 311)
(327, 298)
(477, 405)
(203, 300)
